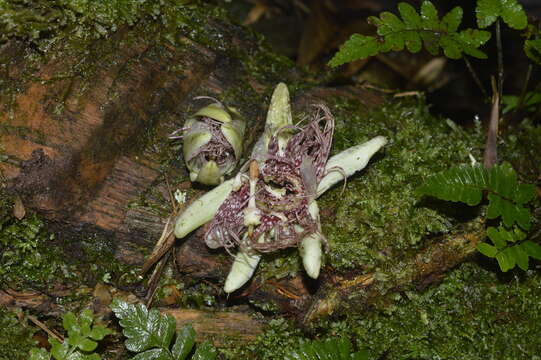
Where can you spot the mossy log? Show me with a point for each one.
(84, 133)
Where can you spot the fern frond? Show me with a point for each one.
(335, 349)
(411, 31)
(467, 183)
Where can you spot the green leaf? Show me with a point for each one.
(69, 321)
(356, 48)
(532, 249)
(487, 249)
(184, 342)
(87, 345)
(521, 257)
(39, 354)
(532, 48)
(85, 321)
(451, 21)
(506, 260)
(332, 349)
(464, 184)
(59, 350)
(467, 183)
(471, 39)
(98, 332)
(511, 12)
(429, 14)
(205, 351)
(410, 16)
(92, 357)
(511, 213)
(144, 329)
(154, 354)
(487, 11)
(412, 31)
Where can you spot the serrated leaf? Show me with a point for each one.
(532, 249)
(184, 342)
(205, 351)
(521, 257)
(357, 47)
(451, 21)
(487, 249)
(154, 354)
(144, 329)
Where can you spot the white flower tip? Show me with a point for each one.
(209, 174)
(241, 271)
(252, 216)
(310, 250)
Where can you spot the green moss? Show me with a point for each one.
(378, 214)
(27, 258)
(16, 340)
(471, 315)
(280, 337)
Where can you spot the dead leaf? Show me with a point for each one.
(255, 14)
(18, 208)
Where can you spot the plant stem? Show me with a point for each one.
(475, 77)
(522, 97)
(500, 59)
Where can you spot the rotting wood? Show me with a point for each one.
(360, 292)
(220, 327)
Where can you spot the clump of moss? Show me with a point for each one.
(279, 339)
(475, 313)
(16, 340)
(27, 260)
(379, 212)
(471, 315)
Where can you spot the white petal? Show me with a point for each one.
(203, 209)
(278, 116)
(348, 162)
(310, 250)
(242, 270)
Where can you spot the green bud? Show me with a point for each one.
(213, 143)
